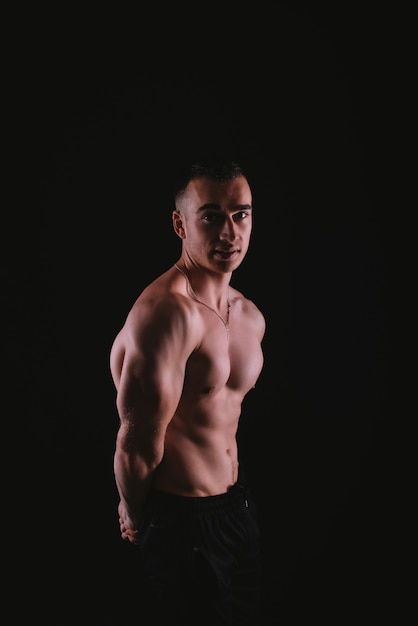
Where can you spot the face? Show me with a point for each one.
(214, 220)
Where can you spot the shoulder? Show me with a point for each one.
(161, 328)
(156, 306)
(247, 308)
(160, 312)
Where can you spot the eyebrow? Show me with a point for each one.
(216, 207)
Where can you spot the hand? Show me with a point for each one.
(127, 525)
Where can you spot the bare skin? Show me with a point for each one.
(180, 373)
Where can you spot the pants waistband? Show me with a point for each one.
(237, 494)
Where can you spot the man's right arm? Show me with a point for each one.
(148, 392)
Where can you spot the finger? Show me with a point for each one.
(131, 535)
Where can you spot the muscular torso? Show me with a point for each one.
(200, 448)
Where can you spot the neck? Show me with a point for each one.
(184, 271)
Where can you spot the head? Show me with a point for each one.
(213, 214)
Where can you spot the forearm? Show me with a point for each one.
(134, 469)
(133, 478)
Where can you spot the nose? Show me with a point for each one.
(228, 230)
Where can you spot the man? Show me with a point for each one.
(187, 355)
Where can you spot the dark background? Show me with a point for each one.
(298, 95)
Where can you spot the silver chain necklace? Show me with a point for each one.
(194, 296)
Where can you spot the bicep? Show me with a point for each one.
(152, 376)
(148, 389)
(116, 359)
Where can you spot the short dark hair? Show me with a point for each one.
(218, 168)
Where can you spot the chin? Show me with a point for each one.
(228, 266)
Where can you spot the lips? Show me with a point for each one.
(226, 254)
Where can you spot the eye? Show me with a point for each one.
(211, 217)
(241, 215)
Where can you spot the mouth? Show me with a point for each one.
(226, 255)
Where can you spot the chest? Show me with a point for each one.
(225, 358)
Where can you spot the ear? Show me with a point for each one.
(178, 224)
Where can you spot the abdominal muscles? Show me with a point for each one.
(201, 456)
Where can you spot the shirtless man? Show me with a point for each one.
(187, 355)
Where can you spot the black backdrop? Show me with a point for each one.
(295, 94)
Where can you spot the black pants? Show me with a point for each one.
(200, 558)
